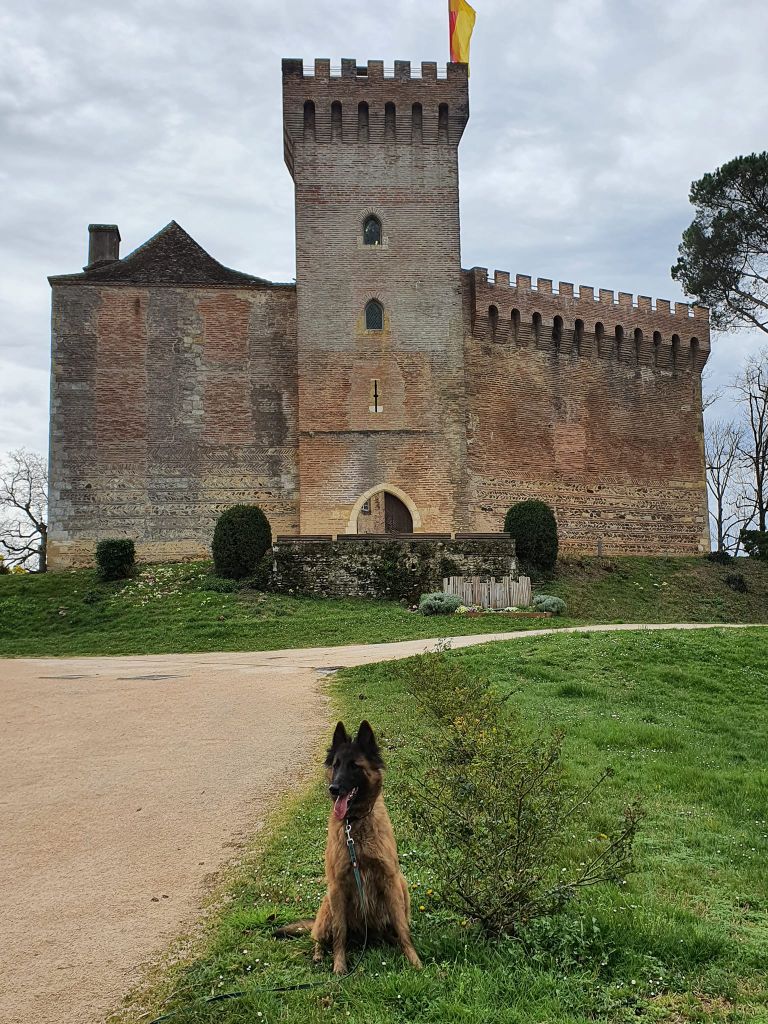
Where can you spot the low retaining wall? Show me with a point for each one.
(391, 566)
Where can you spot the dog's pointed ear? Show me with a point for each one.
(367, 743)
(340, 737)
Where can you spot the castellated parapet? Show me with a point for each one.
(586, 322)
(370, 103)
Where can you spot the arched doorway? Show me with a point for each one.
(383, 511)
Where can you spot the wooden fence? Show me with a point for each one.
(490, 593)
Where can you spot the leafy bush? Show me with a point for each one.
(533, 527)
(115, 558)
(438, 604)
(547, 603)
(4, 570)
(240, 540)
(736, 582)
(755, 543)
(508, 839)
(719, 557)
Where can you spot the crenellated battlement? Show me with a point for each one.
(372, 103)
(635, 329)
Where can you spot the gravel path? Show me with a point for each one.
(126, 783)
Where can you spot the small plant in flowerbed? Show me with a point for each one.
(499, 817)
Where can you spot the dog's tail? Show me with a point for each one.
(295, 929)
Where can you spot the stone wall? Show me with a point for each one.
(168, 405)
(389, 567)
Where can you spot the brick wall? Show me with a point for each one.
(167, 406)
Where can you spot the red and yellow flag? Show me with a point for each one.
(461, 21)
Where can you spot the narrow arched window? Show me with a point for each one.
(619, 337)
(372, 231)
(362, 122)
(493, 321)
(599, 336)
(337, 132)
(694, 352)
(537, 327)
(656, 347)
(309, 121)
(557, 334)
(374, 316)
(675, 351)
(390, 122)
(578, 336)
(638, 345)
(442, 123)
(417, 122)
(516, 324)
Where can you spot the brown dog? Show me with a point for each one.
(354, 770)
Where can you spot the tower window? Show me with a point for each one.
(372, 231)
(442, 123)
(390, 122)
(619, 335)
(516, 324)
(557, 334)
(336, 129)
(417, 122)
(578, 337)
(374, 316)
(638, 345)
(493, 321)
(656, 347)
(309, 121)
(537, 327)
(362, 122)
(375, 405)
(675, 351)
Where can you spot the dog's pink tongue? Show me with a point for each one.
(340, 805)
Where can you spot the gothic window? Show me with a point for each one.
(638, 345)
(309, 121)
(493, 321)
(362, 122)
(442, 123)
(372, 231)
(336, 129)
(390, 122)
(619, 334)
(374, 316)
(417, 122)
(656, 347)
(675, 351)
(599, 336)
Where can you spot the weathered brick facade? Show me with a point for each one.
(180, 387)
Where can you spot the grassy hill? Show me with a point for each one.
(178, 608)
(680, 717)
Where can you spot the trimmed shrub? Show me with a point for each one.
(533, 527)
(115, 558)
(755, 543)
(719, 557)
(736, 582)
(240, 540)
(548, 603)
(438, 604)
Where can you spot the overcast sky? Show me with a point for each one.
(589, 119)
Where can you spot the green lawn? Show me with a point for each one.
(177, 608)
(683, 719)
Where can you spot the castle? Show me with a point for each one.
(388, 390)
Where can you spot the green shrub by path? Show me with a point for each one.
(115, 558)
(241, 538)
(548, 603)
(438, 604)
(533, 527)
(683, 720)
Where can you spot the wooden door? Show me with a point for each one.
(397, 518)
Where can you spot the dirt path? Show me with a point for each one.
(127, 782)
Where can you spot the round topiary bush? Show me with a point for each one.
(439, 604)
(533, 527)
(548, 603)
(115, 558)
(240, 540)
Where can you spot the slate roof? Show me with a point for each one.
(170, 257)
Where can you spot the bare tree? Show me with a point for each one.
(751, 388)
(722, 444)
(24, 509)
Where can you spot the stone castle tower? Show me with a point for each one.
(388, 390)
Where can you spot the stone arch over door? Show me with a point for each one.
(382, 490)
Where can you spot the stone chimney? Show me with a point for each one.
(103, 244)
